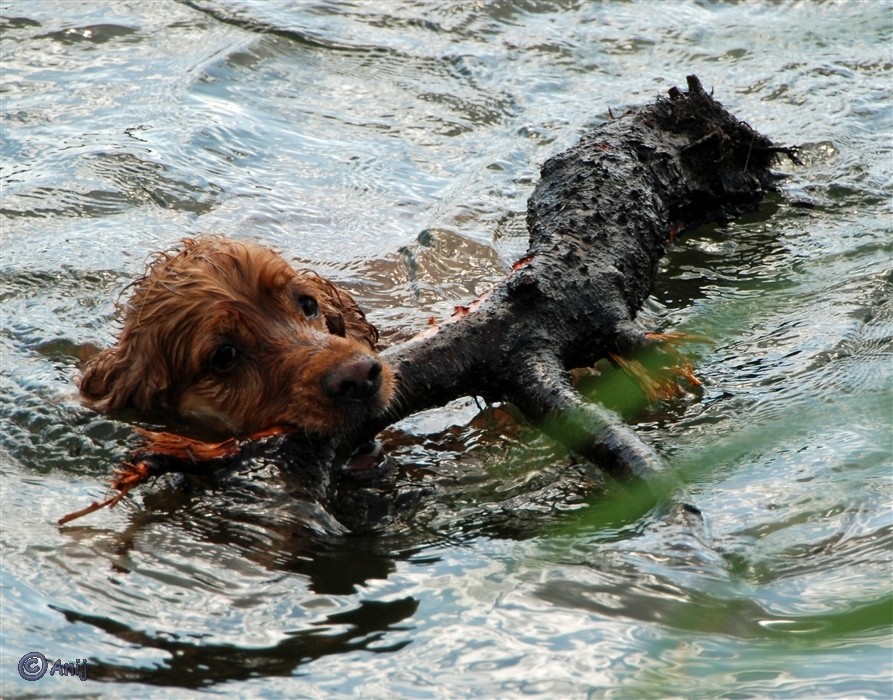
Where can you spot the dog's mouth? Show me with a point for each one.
(365, 458)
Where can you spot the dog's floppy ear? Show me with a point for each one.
(343, 316)
(113, 380)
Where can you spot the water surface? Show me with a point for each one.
(392, 146)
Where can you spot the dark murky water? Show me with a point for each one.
(392, 145)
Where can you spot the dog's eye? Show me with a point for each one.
(309, 306)
(224, 357)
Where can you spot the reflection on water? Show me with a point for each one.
(191, 665)
(392, 147)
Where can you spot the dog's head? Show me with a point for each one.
(229, 336)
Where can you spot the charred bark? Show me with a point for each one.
(600, 219)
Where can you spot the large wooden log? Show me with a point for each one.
(600, 219)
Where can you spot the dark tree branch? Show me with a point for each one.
(600, 220)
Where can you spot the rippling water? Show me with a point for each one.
(392, 145)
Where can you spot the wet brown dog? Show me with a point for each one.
(228, 336)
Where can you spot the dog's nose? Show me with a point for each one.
(355, 379)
